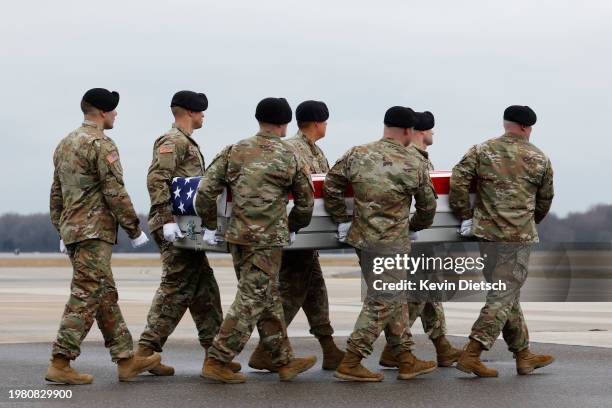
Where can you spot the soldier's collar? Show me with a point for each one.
(514, 136)
(268, 135)
(91, 123)
(422, 151)
(186, 134)
(305, 138)
(180, 129)
(392, 141)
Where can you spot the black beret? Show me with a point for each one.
(312, 111)
(193, 101)
(102, 99)
(400, 116)
(273, 110)
(523, 115)
(424, 120)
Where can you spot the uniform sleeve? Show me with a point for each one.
(461, 179)
(211, 185)
(56, 202)
(545, 194)
(325, 162)
(303, 199)
(334, 187)
(113, 189)
(425, 201)
(159, 179)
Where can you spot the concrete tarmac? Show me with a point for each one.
(32, 298)
(580, 377)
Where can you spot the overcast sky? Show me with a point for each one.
(463, 60)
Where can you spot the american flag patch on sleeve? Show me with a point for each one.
(166, 149)
(112, 157)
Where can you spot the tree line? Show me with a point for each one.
(35, 233)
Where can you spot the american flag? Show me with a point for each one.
(183, 191)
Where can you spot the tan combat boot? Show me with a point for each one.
(220, 371)
(332, 355)
(59, 371)
(388, 358)
(447, 354)
(410, 366)
(261, 359)
(128, 368)
(350, 369)
(469, 362)
(295, 366)
(233, 365)
(526, 361)
(159, 370)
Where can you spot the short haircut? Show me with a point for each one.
(509, 123)
(266, 125)
(303, 125)
(177, 110)
(87, 108)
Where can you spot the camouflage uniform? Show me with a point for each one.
(88, 201)
(260, 172)
(301, 278)
(311, 156)
(432, 317)
(514, 191)
(187, 279)
(431, 313)
(384, 176)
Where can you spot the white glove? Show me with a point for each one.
(140, 241)
(210, 237)
(292, 237)
(172, 232)
(63, 249)
(466, 228)
(413, 235)
(343, 229)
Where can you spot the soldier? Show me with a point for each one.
(260, 172)
(88, 200)
(431, 313)
(301, 279)
(514, 192)
(187, 280)
(384, 175)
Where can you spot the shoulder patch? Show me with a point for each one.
(112, 157)
(166, 149)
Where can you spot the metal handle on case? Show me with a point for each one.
(190, 233)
